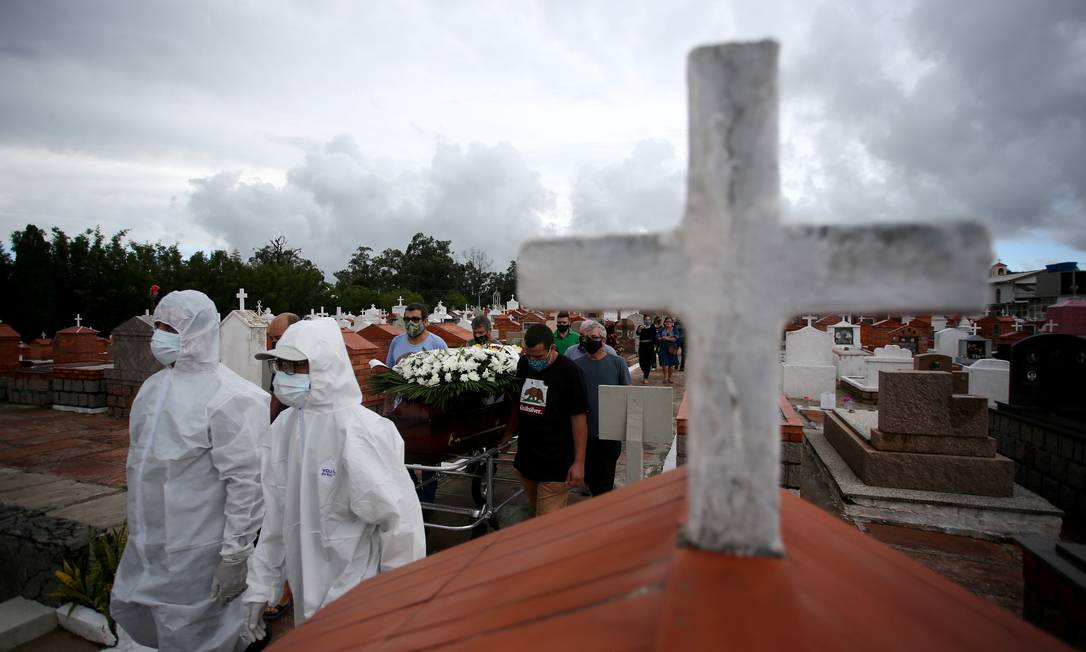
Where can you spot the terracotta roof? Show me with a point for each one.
(7, 331)
(607, 574)
(81, 330)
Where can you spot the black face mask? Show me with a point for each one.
(563, 328)
(591, 346)
(481, 339)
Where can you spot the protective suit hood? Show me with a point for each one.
(194, 316)
(332, 381)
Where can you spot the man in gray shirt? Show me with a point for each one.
(599, 368)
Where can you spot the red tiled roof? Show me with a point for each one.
(607, 574)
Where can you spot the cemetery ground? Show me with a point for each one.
(61, 467)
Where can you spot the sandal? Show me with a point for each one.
(276, 612)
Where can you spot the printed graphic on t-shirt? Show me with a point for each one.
(533, 397)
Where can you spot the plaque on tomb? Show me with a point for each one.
(973, 348)
(933, 362)
(1048, 374)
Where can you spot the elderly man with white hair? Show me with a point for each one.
(578, 351)
(599, 367)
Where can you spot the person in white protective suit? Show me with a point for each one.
(194, 496)
(339, 505)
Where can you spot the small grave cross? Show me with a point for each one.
(810, 319)
(241, 298)
(1050, 326)
(259, 306)
(712, 271)
(78, 321)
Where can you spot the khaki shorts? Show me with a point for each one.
(546, 497)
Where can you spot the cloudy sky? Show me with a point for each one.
(224, 124)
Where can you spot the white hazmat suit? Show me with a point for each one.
(340, 507)
(194, 496)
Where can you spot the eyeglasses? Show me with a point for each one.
(413, 320)
(291, 368)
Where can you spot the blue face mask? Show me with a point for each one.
(165, 346)
(539, 364)
(291, 389)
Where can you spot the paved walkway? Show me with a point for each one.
(88, 448)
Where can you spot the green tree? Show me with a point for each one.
(33, 296)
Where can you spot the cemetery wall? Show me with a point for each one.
(31, 388)
(1048, 460)
(79, 387)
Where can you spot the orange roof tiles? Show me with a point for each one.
(607, 574)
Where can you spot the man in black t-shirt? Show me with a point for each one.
(549, 417)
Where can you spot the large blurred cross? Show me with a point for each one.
(734, 274)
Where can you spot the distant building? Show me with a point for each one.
(1029, 294)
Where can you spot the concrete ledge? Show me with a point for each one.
(22, 621)
(830, 483)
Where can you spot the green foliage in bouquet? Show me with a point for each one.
(445, 377)
(89, 581)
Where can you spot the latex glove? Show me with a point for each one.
(228, 582)
(255, 628)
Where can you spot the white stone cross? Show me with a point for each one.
(809, 318)
(1049, 326)
(339, 313)
(712, 270)
(241, 298)
(78, 321)
(972, 329)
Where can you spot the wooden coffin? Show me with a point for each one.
(431, 435)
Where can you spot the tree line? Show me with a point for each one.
(46, 278)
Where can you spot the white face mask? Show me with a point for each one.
(166, 346)
(291, 389)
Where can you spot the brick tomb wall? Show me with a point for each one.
(1048, 460)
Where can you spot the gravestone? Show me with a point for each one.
(440, 314)
(946, 341)
(973, 347)
(808, 368)
(9, 349)
(132, 363)
(1042, 423)
(938, 323)
(926, 438)
(989, 378)
(1048, 375)
(76, 345)
(512, 303)
(397, 309)
(242, 335)
(846, 335)
(885, 358)
(712, 272)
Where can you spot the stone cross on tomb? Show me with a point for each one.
(810, 319)
(78, 320)
(712, 270)
(259, 307)
(241, 298)
(1049, 327)
(972, 329)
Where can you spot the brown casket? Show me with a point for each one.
(431, 435)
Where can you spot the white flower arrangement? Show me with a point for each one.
(438, 376)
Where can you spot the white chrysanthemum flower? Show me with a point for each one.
(472, 376)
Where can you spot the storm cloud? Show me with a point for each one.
(338, 125)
